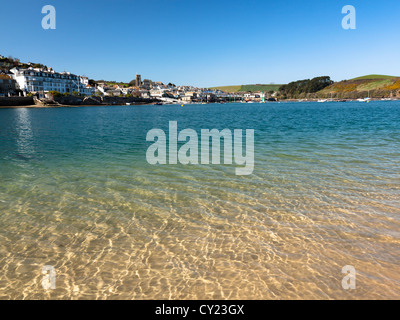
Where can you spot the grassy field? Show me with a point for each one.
(231, 89)
(263, 87)
(374, 85)
(249, 87)
(374, 77)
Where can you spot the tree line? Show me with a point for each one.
(297, 88)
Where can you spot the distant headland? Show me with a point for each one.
(373, 86)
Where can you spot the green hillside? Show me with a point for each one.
(231, 89)
(375, 85)
(260, 87)
(249, 87)
(374, 77)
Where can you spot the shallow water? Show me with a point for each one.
(77, 193)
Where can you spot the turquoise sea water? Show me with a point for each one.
(77, 193)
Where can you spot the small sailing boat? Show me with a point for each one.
(368, 99)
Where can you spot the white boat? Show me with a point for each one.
(368, 99)
(322, 100)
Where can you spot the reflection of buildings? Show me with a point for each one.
(45, 80)
(25, 144)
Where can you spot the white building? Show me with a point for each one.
(157, 93)
(41, 80)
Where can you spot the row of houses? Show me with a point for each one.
(21, 81)
(157, 90)
(184, 93)
(40, 80)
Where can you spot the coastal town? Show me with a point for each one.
(42, 82)
(36, 84)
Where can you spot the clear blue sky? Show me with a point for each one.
(206, 43)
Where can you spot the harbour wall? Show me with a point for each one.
(16, 101)
(75, 101)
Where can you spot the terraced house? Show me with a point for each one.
(38, 80)
(7, 85)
